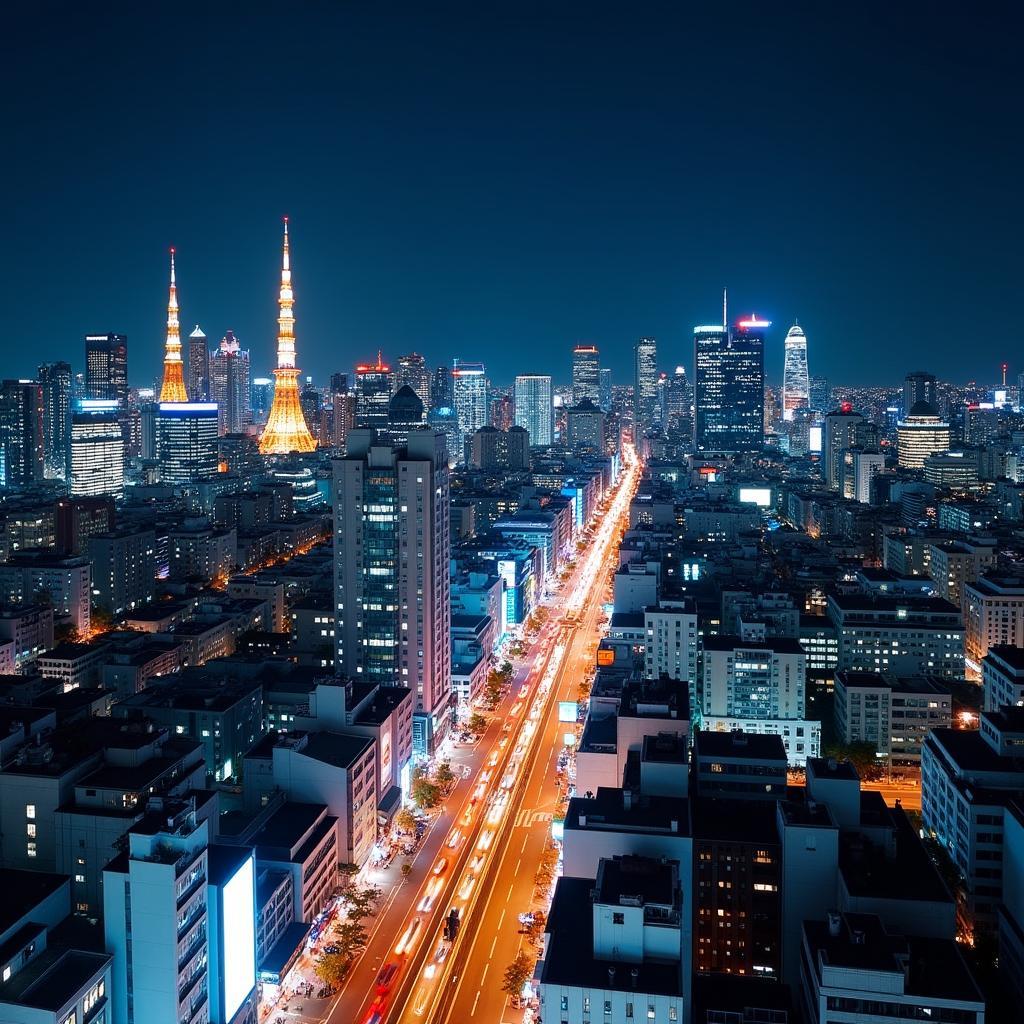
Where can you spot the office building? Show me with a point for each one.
(392, 587)
(919, 434)
(374, 388)
(173, 386)
(839, 435)
(97, 450)
(1002, 675)
(262, 398)
(728, 393)
(993, 614)
(586, 374)
(21, 433)
(187, 441)
(585, 427)
(859, 469)
(919, 386)
(444, 420)
(55, 381)
(412, 370)
(604, 389)
(286, 430)
(106, 367)
(968, 776)
(343, 412)
(905, 636)
(123, 569)
(645, 384)
(892, 714)
(441, 393)
(229, 385)
(678, 399)
(469, 397)
(533, 407)
(821, 394)
(198, 366)
(67, 581)
(796, 384)
(405, 413)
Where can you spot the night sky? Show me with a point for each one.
(498, 182)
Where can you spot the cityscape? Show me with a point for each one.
(399, 668)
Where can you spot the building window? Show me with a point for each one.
(650, 1011)
(618, 918)
(30, 848)
(30, 810)
(30, 830)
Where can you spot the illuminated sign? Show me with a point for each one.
(558, 829)
(238, 943)
(753, 321)
(210, 408)
(567, 711)
(814, 439)
(761, 496)
(605, 656)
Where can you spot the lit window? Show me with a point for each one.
(30, 829)
(30, 810)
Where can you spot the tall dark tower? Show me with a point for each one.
(106, 367)
(55, 380)
(198, 366)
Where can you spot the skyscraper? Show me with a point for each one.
(796, 384)
(586, 374)
(55, 380)
(441, 388)
(728, 394)
(677, 400)
(820, 395)
(343, 412)
(106, 367)
(533, 407)
(919, 386)
(198, 366)
(469, 394)
(840, 435)
(645, 384)
(97, 449)
(286, 429)
(21, 432)
(604, 389)
(374, 388)
(391, 573)
(412, 370)
(173, 389)
(405, 413)
(921, 433)
(187, 441)
(229, 384)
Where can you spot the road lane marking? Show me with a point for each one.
(494, 942)
(475, 1001)
(518, 862)
(509, 896)
(502, 918)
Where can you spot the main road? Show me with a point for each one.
(494, 879)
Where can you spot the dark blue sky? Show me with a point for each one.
(499, 181)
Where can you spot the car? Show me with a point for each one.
(454, 838)
(440, 866)
(467, 887)
(467, 818)
(516, 708)
(427, 903)
(405, 943)
(494, 759)
(386, 977)
(485, 840)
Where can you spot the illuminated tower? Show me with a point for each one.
(173, 389)
(286, 429)
(796, 385)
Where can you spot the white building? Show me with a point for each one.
(796, 385)
(859, 469)
(123, 569)
(391, 572)
(97, 449)
(67, 581)
(670, 646)
(1002, 674)
(533, 407)
(993, 614)
(469, 391)
(613, 946)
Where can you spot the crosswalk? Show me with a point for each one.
(527, 818)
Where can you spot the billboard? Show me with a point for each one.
(761, 496)
(567, 711)
(238, 942)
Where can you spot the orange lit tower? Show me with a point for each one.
(286, 429)
(173, 389)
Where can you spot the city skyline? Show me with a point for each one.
(487, 250)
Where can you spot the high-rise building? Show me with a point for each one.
(469, 394)
(229, 385)
(392, 590)
(586, 374)
(262, 398)
(21, 432)
(173, 388)
(729, 387)
(442, 419)
(187, 441)
(604, 389)
(97, 449)
(405, 413)
(286, 429)
(106, 367)
(645, 384)
(840, 435)
(441, 393)
(678, 398)
(341, 383)
(533, 407)
(920, 386)
(198, 366)
(412, 370)
(343, 410)
(921, 433)
(820, 394)
(55, 381)
(585, 427)
(796, 384)
(312, 403)
(374, 388)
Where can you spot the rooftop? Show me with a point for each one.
(707, 743)
(617, 810)
(775, 644)
(1012, 657)
(726, 820)
(23, 891)
(569, 960)
(54, 978)
(628, 879)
